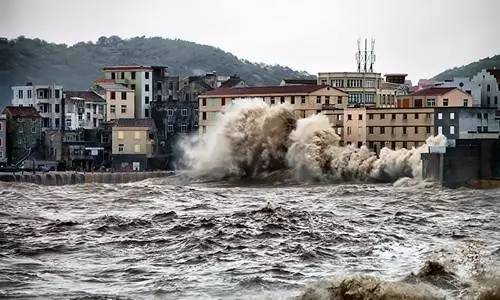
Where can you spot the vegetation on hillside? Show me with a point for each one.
(470, 69)
(76, 67)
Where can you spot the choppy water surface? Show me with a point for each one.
(166, 238)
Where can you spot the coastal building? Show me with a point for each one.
(83, 109)
(466, 85)
(306, 100)
(120, 100)
(45, 98)
(133, 144)
(436, 96)
(23, 132)
(488, 82)
(387, 127)
(366, 88)
(3, 139)
(142, 80)
(298, 81)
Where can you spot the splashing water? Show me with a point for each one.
(252, 139)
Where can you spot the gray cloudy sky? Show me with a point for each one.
(420, 37)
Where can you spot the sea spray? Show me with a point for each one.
(253, 139)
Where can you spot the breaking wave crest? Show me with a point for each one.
(252, 139)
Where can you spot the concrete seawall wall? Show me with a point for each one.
(63, 178)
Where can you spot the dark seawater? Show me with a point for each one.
(174, 239)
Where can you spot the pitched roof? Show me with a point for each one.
(22, 112)
(301, 81)
(495, 73)
(135, 123)
(232, 81)
(263, 90)
(89, 96)
(130, 68)
(433, 91)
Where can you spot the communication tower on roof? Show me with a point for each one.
(364, 58)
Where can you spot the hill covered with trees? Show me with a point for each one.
(76, 67)
(470, 69)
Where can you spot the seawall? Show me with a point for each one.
(63, 178)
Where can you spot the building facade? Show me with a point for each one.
(83, 109)
(306, 100)
(45, 98)
(133, 144)
(436, 97)
(364, 88)
(120, 100)
(24, 132)
(3, 139)
(488, 82)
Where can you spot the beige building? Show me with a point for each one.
(387, 127)
(436, 97)
(306, 100)
(120, 100)
(365, 88)
(133, 144)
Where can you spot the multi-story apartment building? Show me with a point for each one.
(83, 109)
(45, 98)
(133, 144)
(23, 132)
(3, 139)
(387, 127)
(141, 79)
(365, 88)
(306, 100)
(120, 100)
(488, 81)
(466, 85)
(436, 97)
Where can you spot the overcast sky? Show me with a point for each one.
(420, 37)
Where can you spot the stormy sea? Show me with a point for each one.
(264, 207)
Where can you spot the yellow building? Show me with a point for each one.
(306, 100)
(436, 97)
(119, 99)
(133, 144)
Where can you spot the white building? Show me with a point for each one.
(45, 98)
(83, 109)
(466, 85)
(488, 81)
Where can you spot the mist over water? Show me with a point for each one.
(253, 140)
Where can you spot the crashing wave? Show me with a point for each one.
(253, 139)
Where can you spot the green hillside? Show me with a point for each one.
(470, 69)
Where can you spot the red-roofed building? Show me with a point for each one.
(435, 97)
(306, 100)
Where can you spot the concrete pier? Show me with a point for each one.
(64, 178)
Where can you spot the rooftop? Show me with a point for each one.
(300, 81)
(130, 68)
(22, 112)
(135, 123)
(495, 73)
(263, 90)
(89, 96)
(112, 86)
(433, 91)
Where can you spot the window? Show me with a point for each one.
(382, 130)
(349, 117)
(303, 99)
(146, 99)
(485, 116)
(452, 116)
(428, 129)
(57, 108)
(440, 129)
(124, 95)
(137, 148)
(418, 102)
(183, 127)
(158, 86)
(21, 129)
(416, 129)
(184, 112)
(132, 75)
(370, 130)
(146, 112)
(203, 102)
(272, 100)
(222, 101)
(488, 100)
(360, 117)
(370, 116)
(382, 116)
(33, 129)
(479, 129)
(339, 100)
(137, 135)
(405, 117)
(204, 115)
(440, 116)
(112, 109)
(339, 130)
(170, 128)
(120, 135)
(57, 93)
(327, 100)
(292, 100)
(431, 102)
(146, 75)
(452, 129)
(146, 87)
(404, 130)
(29, 94)
(124, 109)
(393, 117)
(496, 100)
(113, 75)
(488, 88)
(120, 147)
(282, 100)
(485, 128)
(122, 75)
(348, 130)
(158, 97)
(57, 122)
(416, 116)
(132, 87)
(445, 102)
(113, 95)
